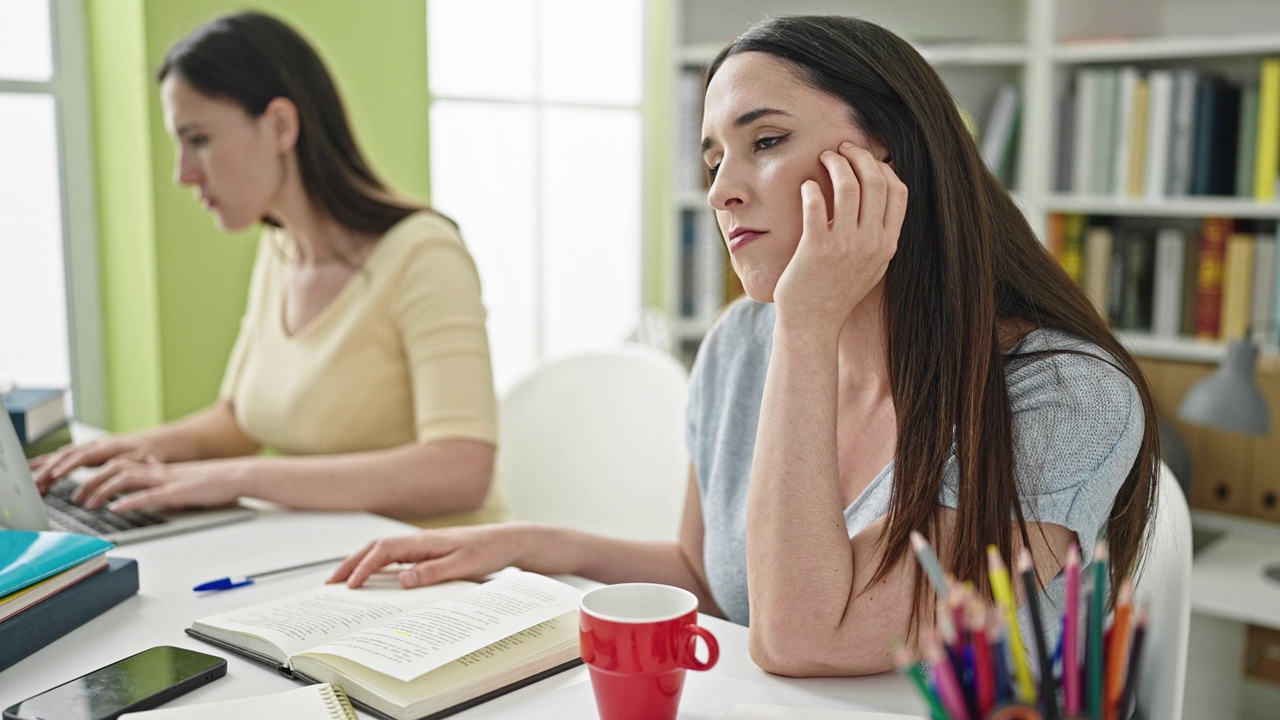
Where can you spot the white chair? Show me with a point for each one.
(1165, 582)
(595, 442)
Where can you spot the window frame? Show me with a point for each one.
(539, 103)
(69, 88)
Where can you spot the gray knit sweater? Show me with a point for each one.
(1078, 424)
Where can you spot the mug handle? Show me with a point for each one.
(690, 659)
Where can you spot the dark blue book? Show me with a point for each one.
(1216, 131)
(66, 610)
(35, 412)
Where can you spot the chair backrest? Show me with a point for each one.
(595, 442)
(1166, 584)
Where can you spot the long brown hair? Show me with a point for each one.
(967, 261)
(252, 58)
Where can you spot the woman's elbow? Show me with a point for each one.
(779, 654)
(791, 655)
(475, 466)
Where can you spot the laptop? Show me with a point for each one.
(22, 507)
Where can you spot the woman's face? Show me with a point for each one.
(231, 159)
(763, 131)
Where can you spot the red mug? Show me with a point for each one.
(637, 640)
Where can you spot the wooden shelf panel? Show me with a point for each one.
(1167, 207)
(1167, 48)
(1180, 348)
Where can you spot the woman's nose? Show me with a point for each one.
(185, 171)
(727, 189)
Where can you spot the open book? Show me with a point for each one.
(406, 654)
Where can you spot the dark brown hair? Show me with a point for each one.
(967, 264)
(252, 58)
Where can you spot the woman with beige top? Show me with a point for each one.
(362, 356)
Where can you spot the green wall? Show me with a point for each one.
(173, 286)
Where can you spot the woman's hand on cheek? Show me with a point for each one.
(838, 262)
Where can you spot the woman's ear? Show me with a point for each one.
(282, 118)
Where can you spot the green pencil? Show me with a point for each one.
(1097, 612)
(916, 671)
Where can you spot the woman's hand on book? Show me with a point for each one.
(466, 553)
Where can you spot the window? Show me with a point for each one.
(48, 336)
(536, 153)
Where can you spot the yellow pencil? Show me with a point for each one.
(1002, 590)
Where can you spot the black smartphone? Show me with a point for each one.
(138, 682)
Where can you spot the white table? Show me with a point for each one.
(1228, 591)
(165, 606)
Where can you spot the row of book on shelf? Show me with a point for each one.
(1214, 279)
(1127, 133)
(707, 280)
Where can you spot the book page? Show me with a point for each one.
(418, 642)
(313, 702)
(312, 617)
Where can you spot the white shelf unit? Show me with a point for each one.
(977, 45)
(1185, 207)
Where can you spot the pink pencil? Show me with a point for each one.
(1070, 634)
(948, 685)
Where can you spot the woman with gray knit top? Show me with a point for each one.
(909, 357)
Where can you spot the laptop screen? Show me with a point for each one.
(20, 505)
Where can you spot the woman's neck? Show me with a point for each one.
(863, 365)
(320, 239)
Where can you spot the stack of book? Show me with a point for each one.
(1161, 133)
(53, 582)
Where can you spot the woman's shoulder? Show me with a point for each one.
(421, 229)
(1065, 387)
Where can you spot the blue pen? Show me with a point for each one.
(227, 583)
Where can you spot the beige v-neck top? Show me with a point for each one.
(400, 355)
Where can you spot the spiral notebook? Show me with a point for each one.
(313, 702)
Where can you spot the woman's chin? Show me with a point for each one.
(759, 286)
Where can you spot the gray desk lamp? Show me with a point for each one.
(1230, 400)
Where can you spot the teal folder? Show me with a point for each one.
(66, 610)
(27, 556)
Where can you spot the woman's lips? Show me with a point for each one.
(742, 238)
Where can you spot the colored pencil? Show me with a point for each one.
(1135, 661)
(1048, 688)
(1118, 650)
(947, 683)
(1097, 611)
(1000, 624)
(1002, 590)
(929, 561)
(1071, 634)
(915, 671)
(983, 670)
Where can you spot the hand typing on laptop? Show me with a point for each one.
(152, 483)
(56, 465)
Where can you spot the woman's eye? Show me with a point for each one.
(711, 172)
(198, 141)
(765, 143)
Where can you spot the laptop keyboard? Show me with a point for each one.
(67, 516)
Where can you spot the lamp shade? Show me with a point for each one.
(1229, 399)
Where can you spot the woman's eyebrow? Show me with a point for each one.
(747, 118)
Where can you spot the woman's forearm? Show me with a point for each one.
(799, 561)
(210, 433)
(410, 481)
(560, 551)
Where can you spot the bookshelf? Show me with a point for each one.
(981, 45)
